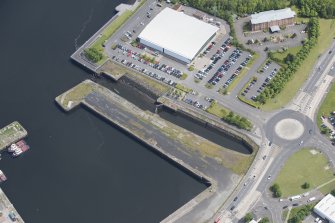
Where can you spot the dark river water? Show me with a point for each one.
(80, 169)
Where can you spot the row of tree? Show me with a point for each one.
(220, 7)
(321, 8)
(238, 121)
(301, 214)
(277, 84)
(308, 8)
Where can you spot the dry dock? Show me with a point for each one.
(11, 134)
(206, 161)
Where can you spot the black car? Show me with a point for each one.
(232, 208)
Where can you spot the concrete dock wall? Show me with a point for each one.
(209, 120)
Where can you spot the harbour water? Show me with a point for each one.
(79, 168)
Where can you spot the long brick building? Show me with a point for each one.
(272, 18)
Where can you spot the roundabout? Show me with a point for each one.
(289, 127)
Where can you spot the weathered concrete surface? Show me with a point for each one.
(11, 134)
(6, 208)
(190, 152)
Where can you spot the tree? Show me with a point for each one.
(276, 190)
(306, 185)
(289, 58)
(333, 192)
(265, 220)
(248, 217)
(93, 54)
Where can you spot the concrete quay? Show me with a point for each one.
(7, 210)
(11, 134)
(190, 152)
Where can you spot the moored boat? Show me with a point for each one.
(2, 176)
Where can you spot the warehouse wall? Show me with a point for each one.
(177, 56)
(160, 49)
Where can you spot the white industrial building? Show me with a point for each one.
(177, 34)
(326, 208)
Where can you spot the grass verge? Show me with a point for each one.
(326, 189)
(327, 106)
(217, 110)
(303, 166)
(183, 88)
(327, 33)
(245, 100)
(284, 214)
(295, 210)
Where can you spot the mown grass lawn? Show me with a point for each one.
(327, 33)
(301, 167)
(282, 55)
(217, 110)
(326, 189)
(328, 105)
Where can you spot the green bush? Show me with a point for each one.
(238, 121)
(265, 220)
(305, 185)
(248, 217)
(93, 54)
(301, 214)
(276, 190)
(183, 76)
(191, 68)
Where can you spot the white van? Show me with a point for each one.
(311, 199)
(295, 197)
